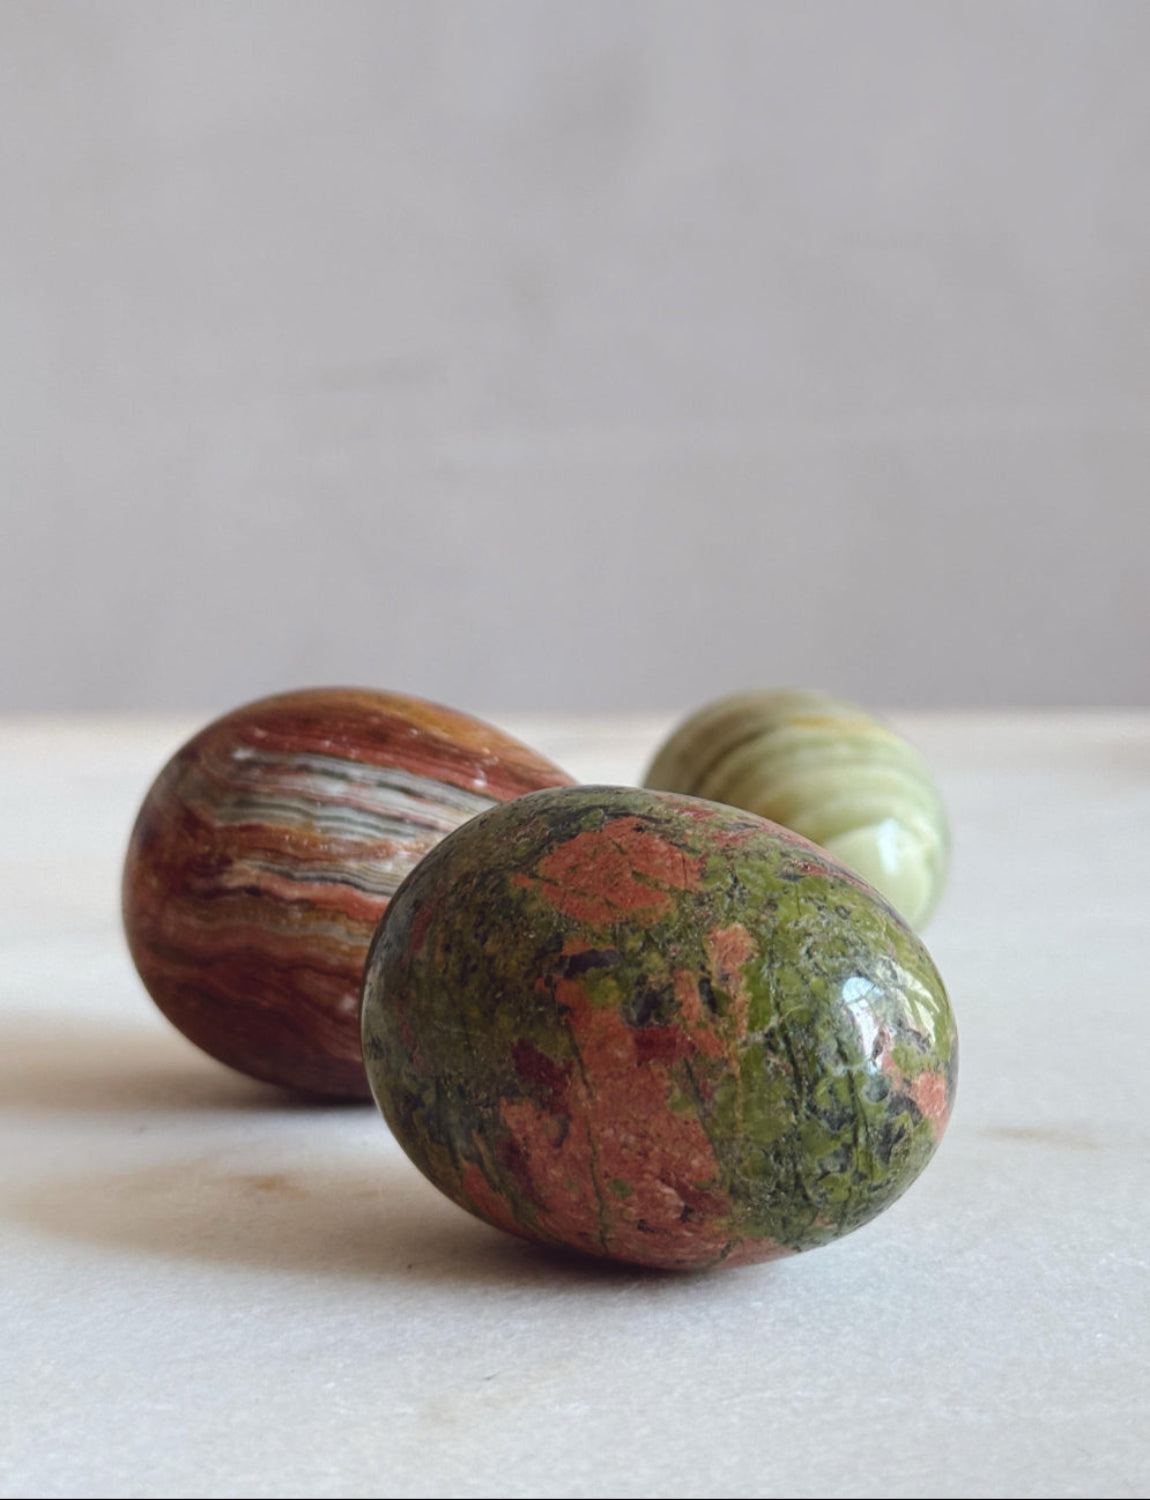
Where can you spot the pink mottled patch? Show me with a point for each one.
(629, 1177)
(487, 1202)
(928, 1089)
(697, 1018)
(653, 857)
(594, 867)
(687, 997)
(621, 869)
(555, 1172)
(929, 1092)
(728, 949)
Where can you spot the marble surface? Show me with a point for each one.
(207, 1290)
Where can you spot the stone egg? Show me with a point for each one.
(829, 770)
(655, 1029)
(266, 852)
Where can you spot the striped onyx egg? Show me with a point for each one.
(266, 852)
(827, 769)
(655, 1029)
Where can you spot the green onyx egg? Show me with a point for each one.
(828, 770)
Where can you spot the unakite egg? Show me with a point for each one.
(832, 772)
(655, 1029)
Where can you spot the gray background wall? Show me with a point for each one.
(574, 355)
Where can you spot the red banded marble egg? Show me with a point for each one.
(655, 1029)
(265, 854)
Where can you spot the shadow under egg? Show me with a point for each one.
(59, 1066)
(372, 1219)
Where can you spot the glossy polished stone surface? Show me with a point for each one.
(266, 852)
(655, 1029)
(831, 771)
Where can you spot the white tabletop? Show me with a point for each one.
(209, 1290)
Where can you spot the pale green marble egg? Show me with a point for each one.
(828, 770)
